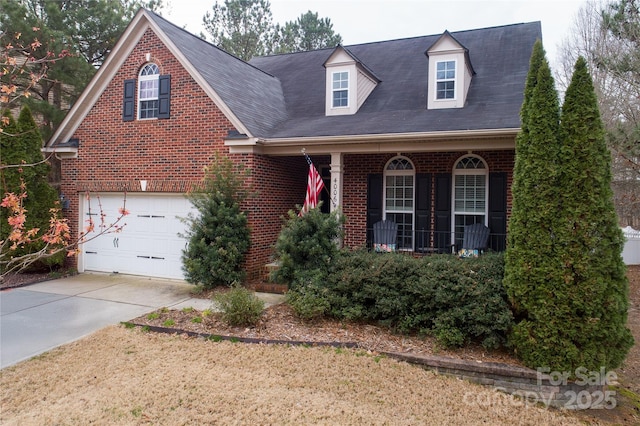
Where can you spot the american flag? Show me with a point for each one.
(314, 187)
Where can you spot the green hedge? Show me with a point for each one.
(456, 300)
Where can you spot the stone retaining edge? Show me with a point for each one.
(519, 381)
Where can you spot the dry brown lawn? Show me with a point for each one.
(122, 376)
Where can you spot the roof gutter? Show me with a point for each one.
(388, 142)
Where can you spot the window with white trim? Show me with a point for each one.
(399, 195)
(148, 86)
(340, 89)
(470, 194)
(445, 80)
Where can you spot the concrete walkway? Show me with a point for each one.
(40, 317)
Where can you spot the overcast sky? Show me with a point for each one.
(363, 21)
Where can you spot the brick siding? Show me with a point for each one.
(113, 155)
(358, 167)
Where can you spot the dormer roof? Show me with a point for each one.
(340, 48)
(355, 80)
(450, 73)
(446, 36)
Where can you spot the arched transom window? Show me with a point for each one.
(470, 193)
(399, 196)
(148, 85)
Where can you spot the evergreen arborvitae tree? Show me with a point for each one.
(41, 195)
(532, 267)
(12, 153)
(21, 145)
(593, 297)
(529, 260)
(218, 235)
(563, 270)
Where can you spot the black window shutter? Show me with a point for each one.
(423, 210)
(374, 203)
(164, 96)
(498, 210)
(129, 101)
(442, 209)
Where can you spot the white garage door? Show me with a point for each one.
(148, 244)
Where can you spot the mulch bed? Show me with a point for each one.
(25, 278)
(279, 323)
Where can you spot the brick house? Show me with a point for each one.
(420, 131)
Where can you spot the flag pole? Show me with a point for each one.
(304, 152)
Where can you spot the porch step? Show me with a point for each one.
(265, 285)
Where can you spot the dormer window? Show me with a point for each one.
(348, 83)
(450, 73)
(340, 89)
(445, 80)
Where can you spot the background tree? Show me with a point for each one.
(28, 175)
(607, 35)
(21, 60)
(83, 31)
(308, 32)
(243, 28)
(218, 234)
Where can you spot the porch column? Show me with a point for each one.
(336, 180)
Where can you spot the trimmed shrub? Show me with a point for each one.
(306, 247)
(469, 300)
(308, 302)
(456, 300)
(369, 286)
(239, 306)
(218, 235)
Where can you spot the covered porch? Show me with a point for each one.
(431, 185)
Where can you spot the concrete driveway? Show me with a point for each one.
(40, 317)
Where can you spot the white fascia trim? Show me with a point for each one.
(391, 142)
(451, 134)
(101, 79)
(62, 152)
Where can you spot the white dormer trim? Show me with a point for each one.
(360, 82)
(447, 51)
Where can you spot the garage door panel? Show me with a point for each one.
(148, 244)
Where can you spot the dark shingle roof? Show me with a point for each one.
(284, 95)
(499, 56)
(255, 97)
